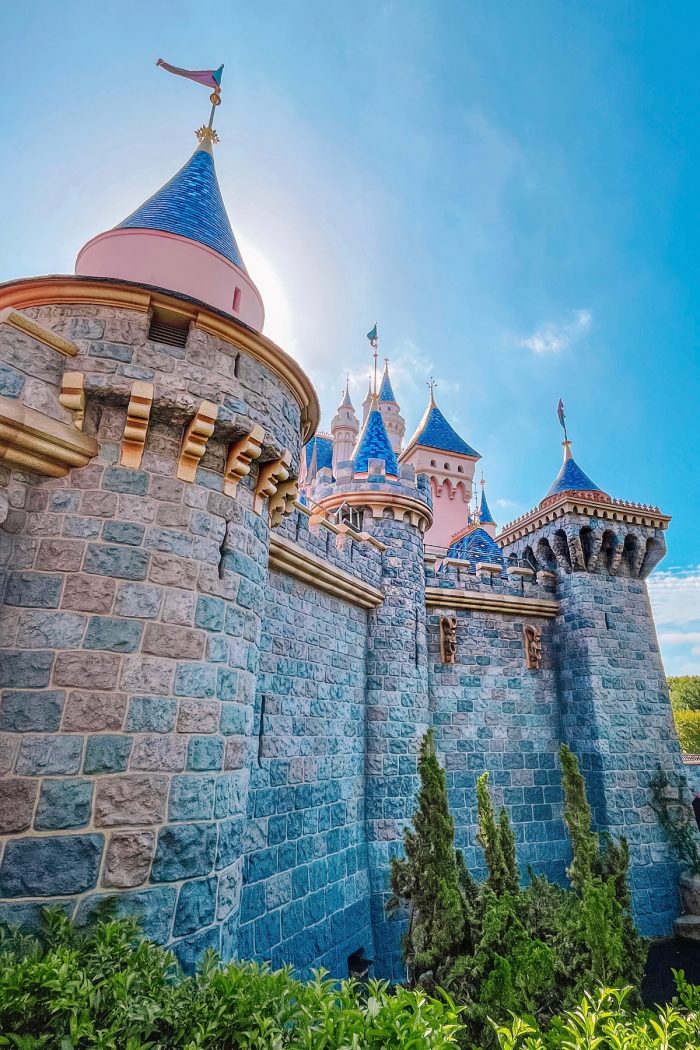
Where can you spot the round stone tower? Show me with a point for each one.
(149, 439)
(344, 428)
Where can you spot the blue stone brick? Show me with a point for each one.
(26, 712)
(314, 907)
(112, 351)
(107, 753)
(300, 882)
(51, 865)
(184, 851)
(205, 752)
(292, 918)
(246, 941)
(268, 931)
(222, 796)
(121, 479)
(11, 381)
(191, 950)
(123, 532)
(46, 755)
(227, 687)
(29, 917)
(230, 844)
(153, 908)
(151, 714)
(191, 798)
(234, 719)
(262, 864)
(121, 562)
(64, 501)
(210, 613)
(217, 649)
(36, 590)
(64, 804)
(196, 906)
(169, 541)
(113, 633)
(195, 679)
(276, 830)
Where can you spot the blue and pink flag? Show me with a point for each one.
(210, 78)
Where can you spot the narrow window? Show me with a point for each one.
(236, 299)
(261, 728)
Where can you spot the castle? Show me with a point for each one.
(225, 634)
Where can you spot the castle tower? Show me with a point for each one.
(391, 413)
(395, 511)
(437, 450)
(486, 519)
(612, 692)
(151, 438)
(344, 429)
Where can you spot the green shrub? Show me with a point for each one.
(685, 692)
(499, 949)
(688, 729)
(107, 988)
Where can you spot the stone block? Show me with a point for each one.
(205, 752)
(237, 752)
(9, 746)
(81, 528)
(152, 907)
(159, 753)
(268, 932)
(123, 532)
(143, 675)
(196, 906)
(210, 613)
(98, 504)
(11, 381)
(17, 798)
(111, 351)
(195, 679)
(128, 858)
(138, 599)
(107, 753)
(130, 799)
(86, 669)
(25, 670)
(227, 685)
(121, 562)
(235, 719)
(179, 607)
(26, 712)
(230, 887)
(184, 851)
(63, 501)
(51, 865)
(45, 755)
(92, 712)
(50, 630)
(64, 803)
(166, 488)
(191, 798)
(170, 571)
(60, 555)
(37, 590)
(177, 642)
(88, 593)
(198, 716)
(191, 950)
(169, 541)
(113, 633)
(230, 845)
(151, 714)
(121, 479)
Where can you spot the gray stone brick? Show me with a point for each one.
(90, 712)
(33, 589)
(120, 479)
(159, 753)
(171, 640)
(117, 635)
(100, 670)
(50, 630)
(25, 670)
(123, 532)
(121, 562)
(46, 755)
(24, 711)
(128, 858)
(60, 555)
(130, 800)
(17, 798)
(138, 599)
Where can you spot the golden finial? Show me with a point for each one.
(207, 134)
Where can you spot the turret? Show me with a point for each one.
(436, 449)
(345, 427)
(486, 519)
(391, 413)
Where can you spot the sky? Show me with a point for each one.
(511, 189)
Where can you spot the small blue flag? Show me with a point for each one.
(373, 337)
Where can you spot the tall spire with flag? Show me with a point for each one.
(373, 337)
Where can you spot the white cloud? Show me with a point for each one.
(675, 599)
(553, 337)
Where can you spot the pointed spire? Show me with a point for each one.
(373, 443)
(346, 402)
(485, 515)
(386, 392)
(571, 478)
(434, 431)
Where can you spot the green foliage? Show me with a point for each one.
(688, 729)
(524, 951)
(671, 801)
(605, 1021)
(685, 692)
(106, 988)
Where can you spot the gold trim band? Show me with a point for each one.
(290, 560)
(511, 604)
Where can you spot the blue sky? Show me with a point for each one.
(510, 189)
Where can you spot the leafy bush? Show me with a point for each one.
(108, 988)
(688, 729)
(500, 949)
(685, 692)
(672, 802)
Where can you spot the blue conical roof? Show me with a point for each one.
(191, 206)
(386, 392)
(435, 432)
(571, 477)
(477, 546)
(485, 515)
(373, 443)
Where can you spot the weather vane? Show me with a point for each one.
(209, 78)
(562, 418)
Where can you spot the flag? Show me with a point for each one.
(373, 337)
(211, 78)
(560, 413)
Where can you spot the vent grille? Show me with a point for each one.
(172, 334)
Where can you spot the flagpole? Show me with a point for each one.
(376, 355)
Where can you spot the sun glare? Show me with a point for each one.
(279, 320)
